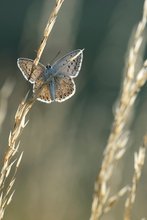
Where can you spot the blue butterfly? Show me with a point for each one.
(60, 85)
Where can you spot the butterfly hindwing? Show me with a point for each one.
(25, 65)
(64, 88)
(44, 93)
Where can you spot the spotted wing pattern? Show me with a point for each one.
(44, 94)
(59, 85)
(64, 88)
(25, 65)
(70, 64)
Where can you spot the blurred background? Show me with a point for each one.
(63, 144)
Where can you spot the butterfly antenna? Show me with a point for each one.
(55, 56)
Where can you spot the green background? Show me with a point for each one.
(63, 144)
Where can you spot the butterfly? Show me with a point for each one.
(57, 80)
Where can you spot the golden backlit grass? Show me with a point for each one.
(118, 138)
(11, 159)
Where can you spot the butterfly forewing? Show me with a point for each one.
(64, 88)
(25, 65)
(70, 64)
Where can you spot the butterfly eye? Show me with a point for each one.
(48, 66)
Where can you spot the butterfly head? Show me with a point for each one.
(48, 66)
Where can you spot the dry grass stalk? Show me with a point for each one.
(10, 159)
(114, 199)
(47, 31)
(117, 140)
(139, 159)
(19, 124)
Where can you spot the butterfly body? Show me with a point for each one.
(50, 72)
(56, 80)
(52, 89)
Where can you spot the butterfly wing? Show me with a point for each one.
(44, 94)
(25, 65)
(64, 88)
(70, 64)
